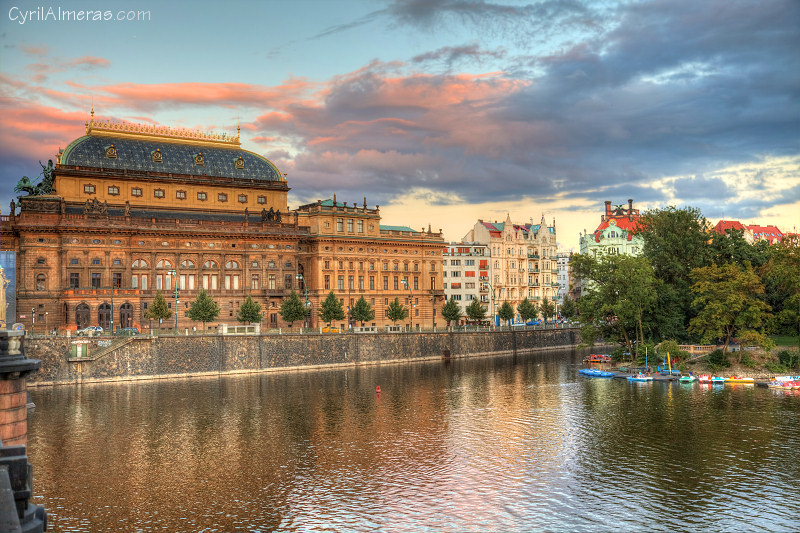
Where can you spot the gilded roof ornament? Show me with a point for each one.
(150, 132)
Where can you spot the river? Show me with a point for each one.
(507, 444)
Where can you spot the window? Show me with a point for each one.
(340, 283)
(74, 280)
(40, 261)
(361, 283)
(222, 197)
(41, 282)
(136, 191)
(272, 282)
(350, 225)
(386, 283)
(262, 199)
(89, 189)
(396, 283)
(360, 226)
(180, 195)
(231, 264)
(210, 264)
(95, 261)
(232, 282)
(158, 193)
(117, 262)
(372, 283)
(350, 282)
(339, 224)
(96, 280)
(163, 263)
(327, 281)
(139, 263)
(416, 284)
(202, 196)
(242, 198)
(116, 280)
(287, 281)
(113, 190)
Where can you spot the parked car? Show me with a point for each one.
(89, 331)
(330, 329)
(128, 331)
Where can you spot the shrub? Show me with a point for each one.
(748, 361)
(717, 360)
(775, 368)
(672, 348)
(789, 359)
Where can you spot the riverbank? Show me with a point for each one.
(91, 360)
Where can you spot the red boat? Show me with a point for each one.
(596, 358)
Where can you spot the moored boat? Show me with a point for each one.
(640, 377)
(704, 378)
(687, 379)
(717, 380)
(739, 379)
(597, 358)
(596, 373)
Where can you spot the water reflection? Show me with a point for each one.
(503, 444)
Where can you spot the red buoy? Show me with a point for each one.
(378, 389)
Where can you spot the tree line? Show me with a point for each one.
(690, 284)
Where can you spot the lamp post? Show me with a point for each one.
(302, 280)
(411, 310)
(175, 280)
(33, 318)
(45, 321)
(494, 321)
(112, 308)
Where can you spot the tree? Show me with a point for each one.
(397, 311)
(548, 309)
(331, 309)
(506, 312)
(204, 308)
(362, 311)
(451, 311)
(158, 310)
(568, 308)
(782, 284)
(675, 243)
(292, 309)
(619, 296)
(527, 310)
(475, 311)
(249, 312)
(728, 299)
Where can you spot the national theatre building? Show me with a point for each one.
(128, 210)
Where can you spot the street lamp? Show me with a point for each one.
(411, 311)
(33, 319)
(302, 280)
(494, 320)
(112, 308)
(45, 322)
(175, 281)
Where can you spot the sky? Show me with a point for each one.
(442, 112)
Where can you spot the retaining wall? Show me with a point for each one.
(169, 356)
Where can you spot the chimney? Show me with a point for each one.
(630, 206)
(608, 208)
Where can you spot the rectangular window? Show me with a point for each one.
(386, 283)
(327, 265)
(361, 283)
(74, 280)
(396, 283)
(136, 191)
(254, 282)
(180, 195)
(96, 277)
(135, 282)
(144, 282)
(416, 284)
(340, 283)
(360, 226)
(262, 199)
(339, 224)
(350, 225)
(243, 198)
(116, 280)
(272, 282)
(89, 189)
(113, 190)
(350, 282)
(433, 284)
(287, 281)
(222, 197)
(202, 196)
(327, 282)
(372, 283)
(158, 193)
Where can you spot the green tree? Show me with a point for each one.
(362, 311)
(292, 309)
(451, 311)
(159, 309)
(782, 284)
(204, 309)
(728, 298)
(675, 243)
(568, 308)
(475, 311)
(620, 294)
(527, 310)
(397, 311)
(506, 312)
(249, 312)
(331, 309)
(548, 309)
(733, 248)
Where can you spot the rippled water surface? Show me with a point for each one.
(493, 444)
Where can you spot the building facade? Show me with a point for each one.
(466, 273)
(133, 210)
(564, 274)
(523, 261)
(616, 233)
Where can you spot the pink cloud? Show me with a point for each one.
(36, 131)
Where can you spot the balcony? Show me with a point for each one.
(88, 291)
(533, 256)
(533, 284)
(533, 270)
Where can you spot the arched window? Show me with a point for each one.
(186, 263)
(125, 315)
(104, 316)
(210, 264)
(163, 263)
(231, 264)
(139, 263)
(82, 316)
(41, 282)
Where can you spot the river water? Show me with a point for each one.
(487, 444)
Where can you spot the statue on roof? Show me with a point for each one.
(45, 187)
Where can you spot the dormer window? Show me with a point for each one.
(199, 160)
(240, 163)
(158, 157)
(111, 152)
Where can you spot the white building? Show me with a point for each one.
(563, 275)
(465, 270)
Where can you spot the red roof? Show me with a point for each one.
(768, 233)
(623, 223)
(724, 225)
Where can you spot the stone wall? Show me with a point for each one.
(197, 355)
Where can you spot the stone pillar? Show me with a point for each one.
(16, 473)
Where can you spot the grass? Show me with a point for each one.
(785, 340)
